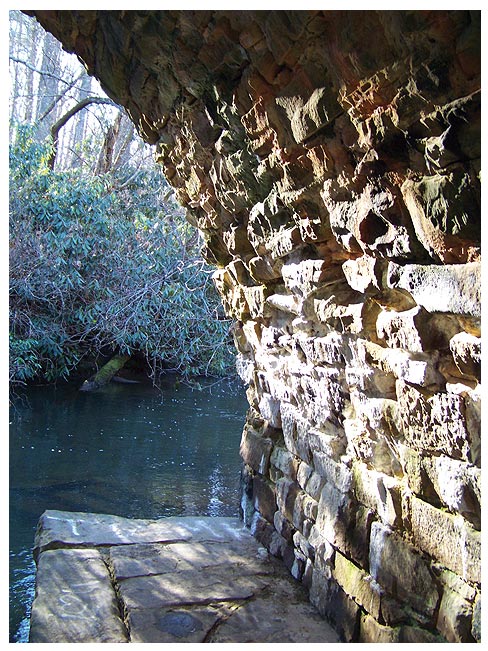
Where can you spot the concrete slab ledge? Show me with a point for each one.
(104, 578)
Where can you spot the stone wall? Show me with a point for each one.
(331, 160)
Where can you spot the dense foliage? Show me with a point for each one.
(100, 266)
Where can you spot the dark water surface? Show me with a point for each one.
(128, 450)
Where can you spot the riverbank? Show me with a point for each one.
(104, 578)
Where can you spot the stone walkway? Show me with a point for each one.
(103, 578)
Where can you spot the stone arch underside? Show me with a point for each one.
(331, 160)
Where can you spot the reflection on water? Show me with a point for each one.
(128, 450)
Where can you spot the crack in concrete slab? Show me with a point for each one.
(123, 613)
(224, 618)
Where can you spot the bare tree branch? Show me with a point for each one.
(59, 124)
(39, 71)
(69, 87)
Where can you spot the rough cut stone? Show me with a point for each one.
(374, 437)
(466, 350)
(362, 273)
(264, 497)
(305, 276)
(328, 440)
(286, 462)
(348, 315)
(444, 481)
(292, 424)
(303, 474)
(440, 288)
(287, 492)
(328, 349)
(270, 410)
(401, 571)
(174, 625)
(415, 368)
(334, 516)
(283, 526)
(472, 404)
(379, 492)
(417, 635)
(434, 422)
(314, 485)
(416, 329)
(332, 471)
(332, 602)
(143, 559)
(440, 206)
(453, 582)
(272, 620)
(255, 451)
(454, 618)
(373, 632)
(476, 623)
(192, 587)
(262, 530)
(358, 585)
(457, 484)
(394, 612)
(447, 538)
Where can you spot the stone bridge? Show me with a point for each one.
(331, 160)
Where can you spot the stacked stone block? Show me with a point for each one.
(361, 456)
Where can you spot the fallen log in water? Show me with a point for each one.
(105, 374)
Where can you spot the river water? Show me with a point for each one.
(128, 450)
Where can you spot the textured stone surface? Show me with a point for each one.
(457, 485)
(449, 288)
(466, 350)
(455, 617)
(401, 570)
(75, 600)
(358, 584)
(331, 160)
(372, 632)
(447, 538)
(66, 529)
(435, 422)
(195, 580)
(476, 622)
(332, 602)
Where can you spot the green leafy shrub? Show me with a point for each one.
(93, 269)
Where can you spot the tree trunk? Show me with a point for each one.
(48, 84)
(126, 136)
(105, 374)
(79, 132)
(16, 27)
(29, 86)
(105, 157)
